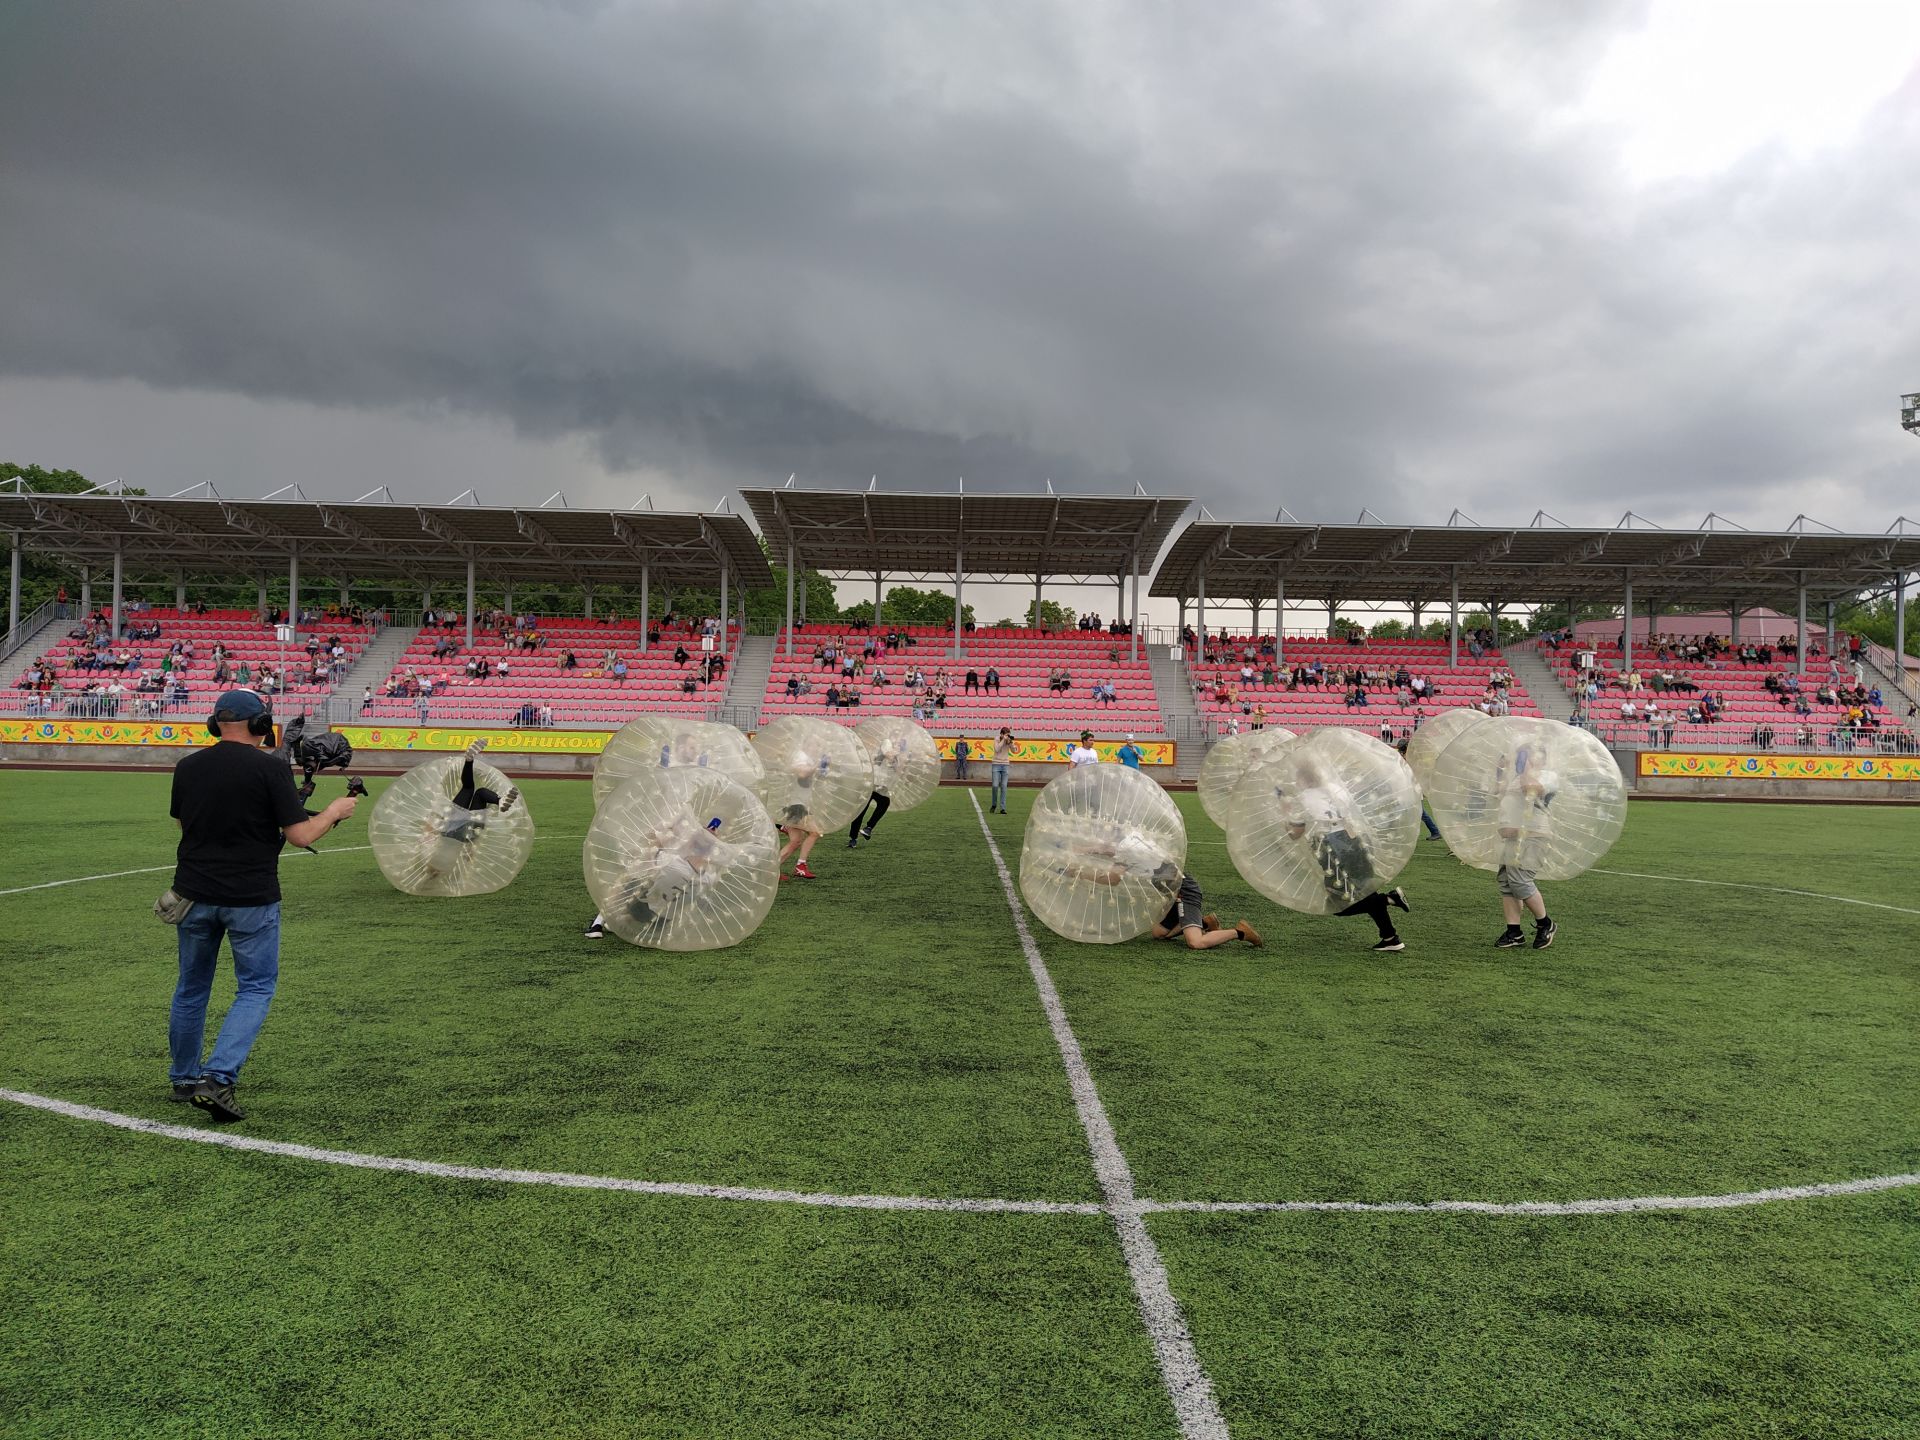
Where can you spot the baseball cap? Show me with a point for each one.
(1129, 737)
(239, 705)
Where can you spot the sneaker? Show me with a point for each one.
(1510, 939)
(1212, 922)
(1543, 934)
(1397, 896)
(182, 1092)
(473, 750)
(801, 870)
(1247, 933)
(512, 795)
(853, 842)
(1392, 942)
(596, 931)
(216, 1098)
(866, 834)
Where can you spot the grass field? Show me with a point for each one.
(882, 1035)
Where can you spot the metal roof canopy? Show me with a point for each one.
(851, 533)
(1544, 562)
(363, 540)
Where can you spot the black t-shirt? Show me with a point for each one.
(232, 801)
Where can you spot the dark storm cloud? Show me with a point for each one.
(1283, 254)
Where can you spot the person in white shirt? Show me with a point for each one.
(1083, 753)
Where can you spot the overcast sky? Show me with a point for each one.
(1504, 256)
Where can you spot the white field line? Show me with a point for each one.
(1626, 1205)
(201, 1135)
(1187, 1384)
(161, 869)
(1763, 889)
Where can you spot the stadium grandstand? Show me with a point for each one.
(1710, 644)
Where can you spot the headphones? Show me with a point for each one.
(259, 726)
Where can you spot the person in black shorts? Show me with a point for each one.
(1202, 931)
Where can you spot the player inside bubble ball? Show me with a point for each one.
(676, 860)
(888, 757)
(1526, 830)
(796, 821)
(1320, 810)
(466, 817)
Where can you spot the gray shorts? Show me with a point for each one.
(1516, 883)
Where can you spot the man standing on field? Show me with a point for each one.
(237, 808)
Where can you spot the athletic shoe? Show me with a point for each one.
(1510, 939)
(1249, 934)
(216, 1098)
(867, 834)
(182, 1093)
(800, 869)
(853, 842)
(1212, 922)
(596, 931)
(513, 794)
(1397, 896)
(1543, 934)
(1392, 942)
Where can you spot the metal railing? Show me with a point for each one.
(29, 627)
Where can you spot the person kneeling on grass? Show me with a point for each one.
(1187, 920)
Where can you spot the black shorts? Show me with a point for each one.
(1184, 915)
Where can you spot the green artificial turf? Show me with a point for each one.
(881, 1034)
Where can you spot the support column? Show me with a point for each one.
(876, 599)
(1833, 631)
(1414, 607)
(1453, 624)
(1038, 581)
(345, 598)
(86, 590)
(293, 589)
(803, 600)
(646, 580)
(1800, 641)
(789, 597)
(1180, 616)
(508, 606)
(260, 584)
(1279, 617)
(1900, 631)
(1253, 618)
(959, 596)
(119, 593)
(724, 617)
(1200, 610)
(1626, 632)
(586, 601)
(470, 599)
(1653, 621)
(13, 589)
(1733, 624)
(179, 584)
(1333, 615)
(1133, 613)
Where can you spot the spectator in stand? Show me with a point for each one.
(1103, 693)
(620, 672)
(680, 655)
(991, 685)
(568, 662)
(972, 682)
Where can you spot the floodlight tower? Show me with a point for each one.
(1910, 413)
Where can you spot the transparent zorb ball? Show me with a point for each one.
(660, 742)
(906, 759)
(1227, 761)
(1433, 736)
(1534, 794)
(817, 774)
(682, 859)
(427, 844)
(1324, 821)
(1105, 848)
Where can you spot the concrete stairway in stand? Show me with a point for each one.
(1541, 683)
(747, 684)
(375, 664)
(1185, 725)
(33, 643)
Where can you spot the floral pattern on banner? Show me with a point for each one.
(1684, 765)
(174, 733)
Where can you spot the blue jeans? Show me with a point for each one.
(254, 932)
(1427, 820)
(999, 800)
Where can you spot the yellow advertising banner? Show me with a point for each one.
(1692, 765)
(1054, 752)
(454, 739)
(179, 733)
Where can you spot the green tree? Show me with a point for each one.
(1058, 616)
(904, 605)
(1873, 620)
(1390, 630)
(40, 578)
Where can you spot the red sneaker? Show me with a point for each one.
(802, 871)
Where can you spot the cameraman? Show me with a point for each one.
(236, 807)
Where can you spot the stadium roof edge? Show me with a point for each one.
(1534, 563)
(366, 540)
